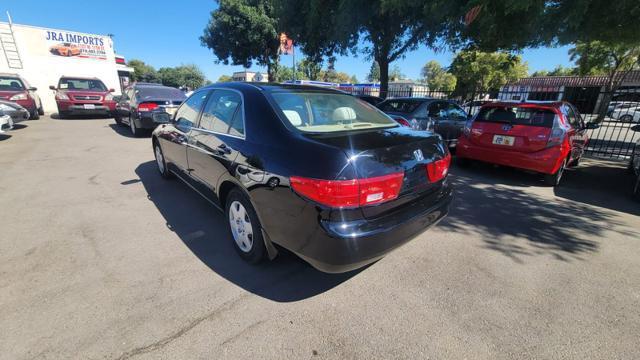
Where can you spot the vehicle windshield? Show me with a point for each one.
(329, 112)
(159, 92)
(403, 106)
(10, 84)
(517, 115)
(82, 84)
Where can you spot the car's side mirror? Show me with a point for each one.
(635, 128)
(591, 126)
(112, 90)
(33, 88)
(117, 98)
(52, 87)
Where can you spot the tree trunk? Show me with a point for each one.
(384, 77)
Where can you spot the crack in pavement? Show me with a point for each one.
(170, 338)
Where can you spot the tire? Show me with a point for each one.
(161, 162)
(636, 188)
(135, 131)
(575, 162)
(118, 121)
(555, 178)
(63, 114)
(630, 170)
(40, 111)
(626, 118)
(35, 115)
(244, 227)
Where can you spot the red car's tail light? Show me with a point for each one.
(557, 133)
(438, 170)
(147, 107)
(349, 193)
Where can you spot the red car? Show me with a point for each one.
(83, 96)
(545, 137)
(15, 89)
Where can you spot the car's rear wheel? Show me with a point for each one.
(245, 227)
(626, 118)
(160, 161)
(555, 178)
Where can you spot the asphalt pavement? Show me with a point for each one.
(100, 258)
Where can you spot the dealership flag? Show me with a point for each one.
(286, 45)
(472, 14)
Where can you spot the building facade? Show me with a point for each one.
(43, 55)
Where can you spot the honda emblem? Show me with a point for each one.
(506, 127)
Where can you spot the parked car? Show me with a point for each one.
(627, 112)
(16, 89)
(373, 100)
(442, 116)
(634, 165)
(10, 114)
(65, 49)
(141, 103)
(545, 137)
(473, 107)
(83, 96)
(624, 98)
(313, 170)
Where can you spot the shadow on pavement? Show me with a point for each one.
(56, 116)
(203, 230)
(519, 223)
(124, 131)
(4, 136)
(19, 127)
(601, 183)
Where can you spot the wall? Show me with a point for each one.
(41, 67)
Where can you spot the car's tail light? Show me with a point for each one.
(558, 133)
(466, 131)
(62, 96)
(349, 193)
(402, 121)
(19, 96)
(147, 107)
(438, 170)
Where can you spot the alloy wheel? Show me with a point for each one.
(159, 159)
(132, 125)
(241, 227)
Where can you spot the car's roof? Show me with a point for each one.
(144, 84)
(273, 87)
(78, 77)
(414, 99)
(525, 103)
(10, 75)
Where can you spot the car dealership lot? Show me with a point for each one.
(101, 258)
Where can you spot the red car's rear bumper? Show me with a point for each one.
(545, 161)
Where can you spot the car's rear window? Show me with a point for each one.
(82, 84)
(161, 93)
(403, 106)
(11, 84)
(329, 112)
(517, 115)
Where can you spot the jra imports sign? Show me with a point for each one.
(67, 44)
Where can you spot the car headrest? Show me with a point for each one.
(344, 114)
(15, 84)
(293, 116)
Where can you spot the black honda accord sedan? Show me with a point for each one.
(313, 170)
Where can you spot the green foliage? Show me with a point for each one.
(182, 76)
(374, 72)
(241, 32)
(142, 71)
(437, 78)
(224, 78)
(482, 72)
(284, 73)
(599, 58)
(354, 79)
(310, 68)
(557, 71)
(396, 74)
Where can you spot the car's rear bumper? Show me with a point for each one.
(340, 246)
(150, 120)
(545, 161)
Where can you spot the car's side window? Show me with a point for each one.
(421, 112)
(187, 114)
(571, 116)
(221, 113)
(436, 110)
(456, 113)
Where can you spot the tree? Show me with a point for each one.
(437, 78)
(615, 61)
(242, 32)
(354, 79)
(285, 73)
(483, 72)
(142, 71)
(189, 76)
(557, 71)
(310, 68)
(224, 78)
(374, 72)
(382, 30)
(396, 74)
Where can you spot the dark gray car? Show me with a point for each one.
(442, 116)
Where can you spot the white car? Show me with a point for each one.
(11, 113)
(630, 113)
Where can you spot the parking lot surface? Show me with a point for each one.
(100, 258)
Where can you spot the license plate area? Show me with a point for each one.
(504, 140)
(89, 106)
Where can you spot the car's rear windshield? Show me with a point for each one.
(161, 93)
(81, 84)
(403, 106)
(517, 115)
(329, 112)
(11, 84)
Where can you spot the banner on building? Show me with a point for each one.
(67, 44)
(286, 45)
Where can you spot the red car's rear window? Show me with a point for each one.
(516, 115)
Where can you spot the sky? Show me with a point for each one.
(161, 34)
